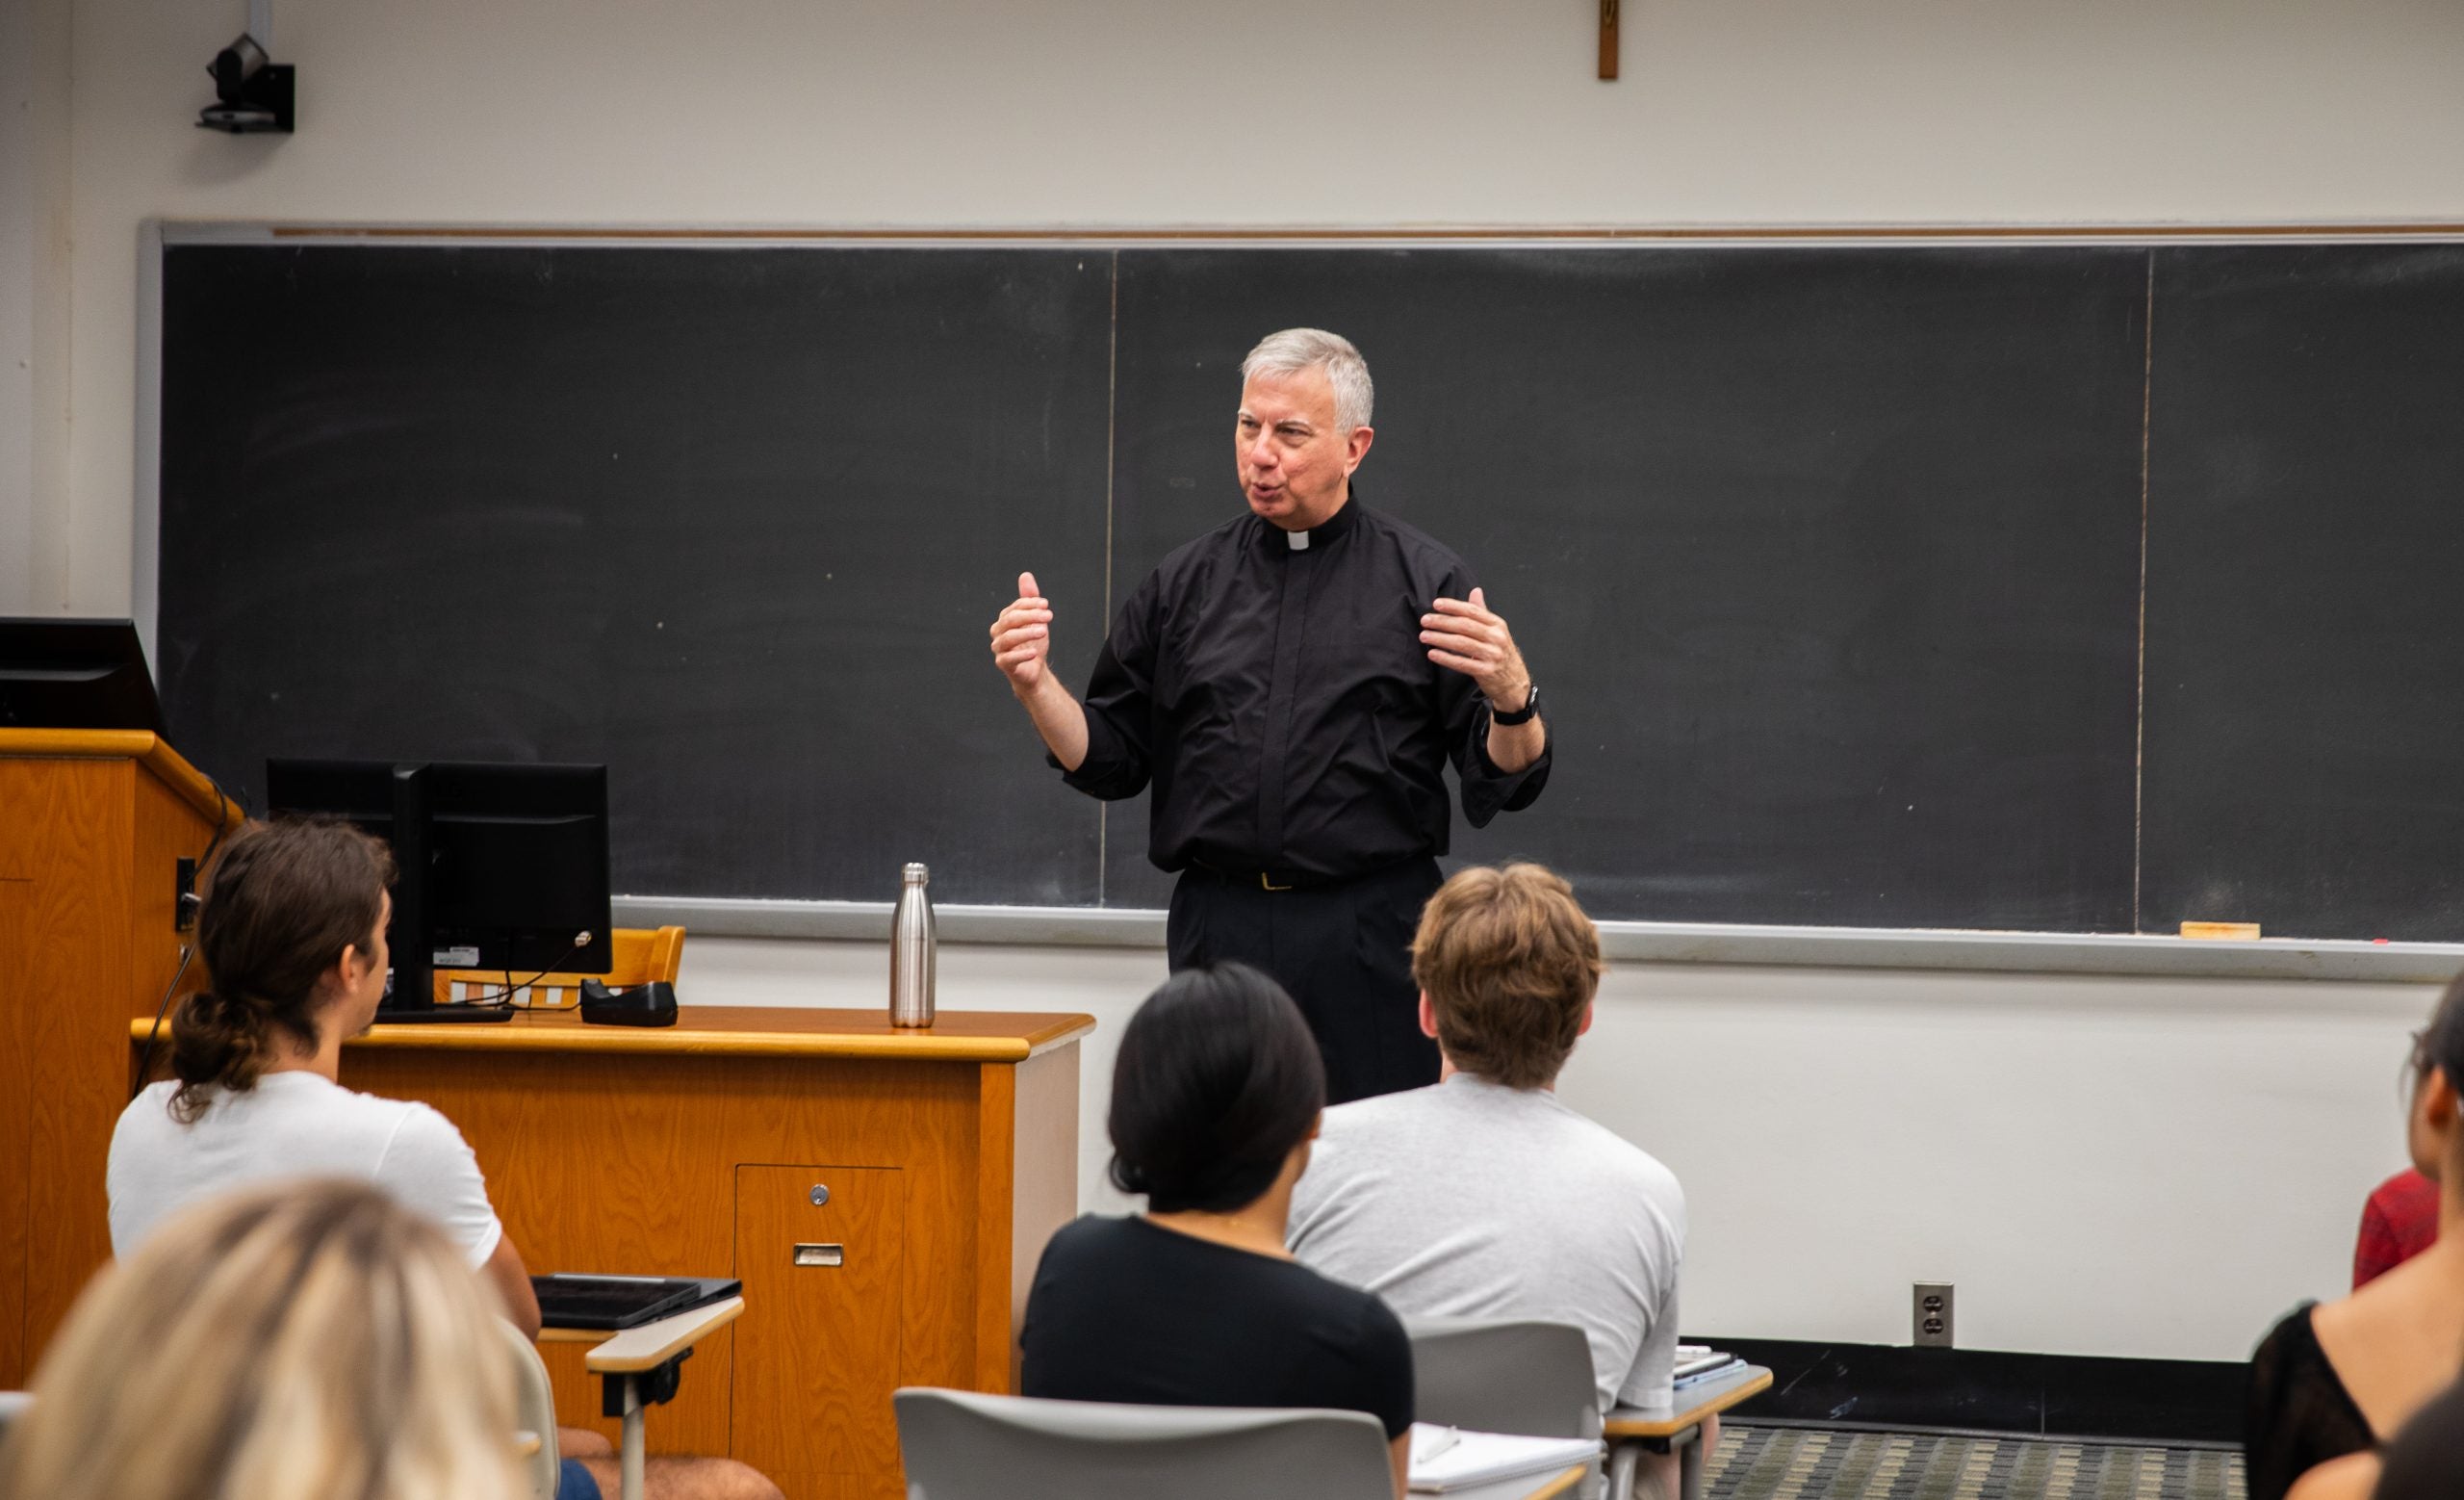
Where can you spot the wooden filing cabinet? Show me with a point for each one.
(807, 1388)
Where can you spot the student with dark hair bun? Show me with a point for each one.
(2339, 1377)
(291, 931)
(1216, 1098)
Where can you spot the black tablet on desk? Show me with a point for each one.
(622, 1302)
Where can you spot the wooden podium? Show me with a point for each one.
(94, 825)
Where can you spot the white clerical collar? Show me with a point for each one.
(1297, 541)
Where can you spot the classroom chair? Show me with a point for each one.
(1506, 1374)
(964, 1445)
(1511, 1375)
(638, 955)
(534, 1413)
(639, 1368)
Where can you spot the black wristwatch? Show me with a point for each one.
(1530, 710)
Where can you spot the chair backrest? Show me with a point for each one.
(964, 1445)
(13, 1406)
(636, 955)
(1504, 1376)
(534, 1410)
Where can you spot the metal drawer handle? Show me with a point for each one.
(821, 1254)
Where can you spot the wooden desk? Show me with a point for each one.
(948, 1157)
(1678, 1426)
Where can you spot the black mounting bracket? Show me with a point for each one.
(652, 1387)
(263, 105)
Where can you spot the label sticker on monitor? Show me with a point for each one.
(456, 958)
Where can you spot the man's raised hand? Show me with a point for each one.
(1464, 637)
(1022, 638)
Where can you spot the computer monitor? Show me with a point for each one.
(74, 674)
(500, 868)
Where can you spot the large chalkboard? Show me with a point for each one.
(1828, 562)
(726, 520)
(2042, 587)
(2306, 586)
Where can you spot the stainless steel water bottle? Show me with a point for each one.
(912, 942)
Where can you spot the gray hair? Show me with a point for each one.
(1295, 350)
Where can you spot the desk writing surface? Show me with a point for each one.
(749, 1031)
(1693, 1405)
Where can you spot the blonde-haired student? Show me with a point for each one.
(293, 1341)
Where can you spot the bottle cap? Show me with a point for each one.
(915, 874)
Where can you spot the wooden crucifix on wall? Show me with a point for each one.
(1608, 39)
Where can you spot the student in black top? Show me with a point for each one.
(2427, 1459)
(1216, 1098)
(2338, 1378)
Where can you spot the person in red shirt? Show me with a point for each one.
(2398, 1222)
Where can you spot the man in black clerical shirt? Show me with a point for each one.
(1293, 684)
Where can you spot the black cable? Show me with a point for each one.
(222, 824)
(503, 999)
(224, 806)
(145, 1058)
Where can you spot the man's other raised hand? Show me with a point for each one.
(1464, 636)
(1022, 638)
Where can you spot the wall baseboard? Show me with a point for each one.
(1986, 1390)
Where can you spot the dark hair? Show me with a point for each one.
(2440, 1045)
(281, 903)
(1217, 1081)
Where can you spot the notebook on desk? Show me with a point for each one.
(1450, 1458)
(1700, 1362)
(571, 1300)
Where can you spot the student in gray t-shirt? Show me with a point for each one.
(1482, 1196)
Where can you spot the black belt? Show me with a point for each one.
(1282, 879)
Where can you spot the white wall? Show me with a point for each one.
(1091, 113)
(36, 510)
(2102, 1164)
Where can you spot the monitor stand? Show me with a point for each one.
(410, 990)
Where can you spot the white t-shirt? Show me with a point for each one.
(1469, 1200)
(295, 1125)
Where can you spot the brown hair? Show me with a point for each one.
(1510, 964)
(281, 903)
(294, 1341)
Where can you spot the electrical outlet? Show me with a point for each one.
(1933, 1314)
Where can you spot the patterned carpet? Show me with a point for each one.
(1792, 1463)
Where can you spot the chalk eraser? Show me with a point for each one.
(2241, 930)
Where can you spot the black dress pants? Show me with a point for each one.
(1343, 952)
